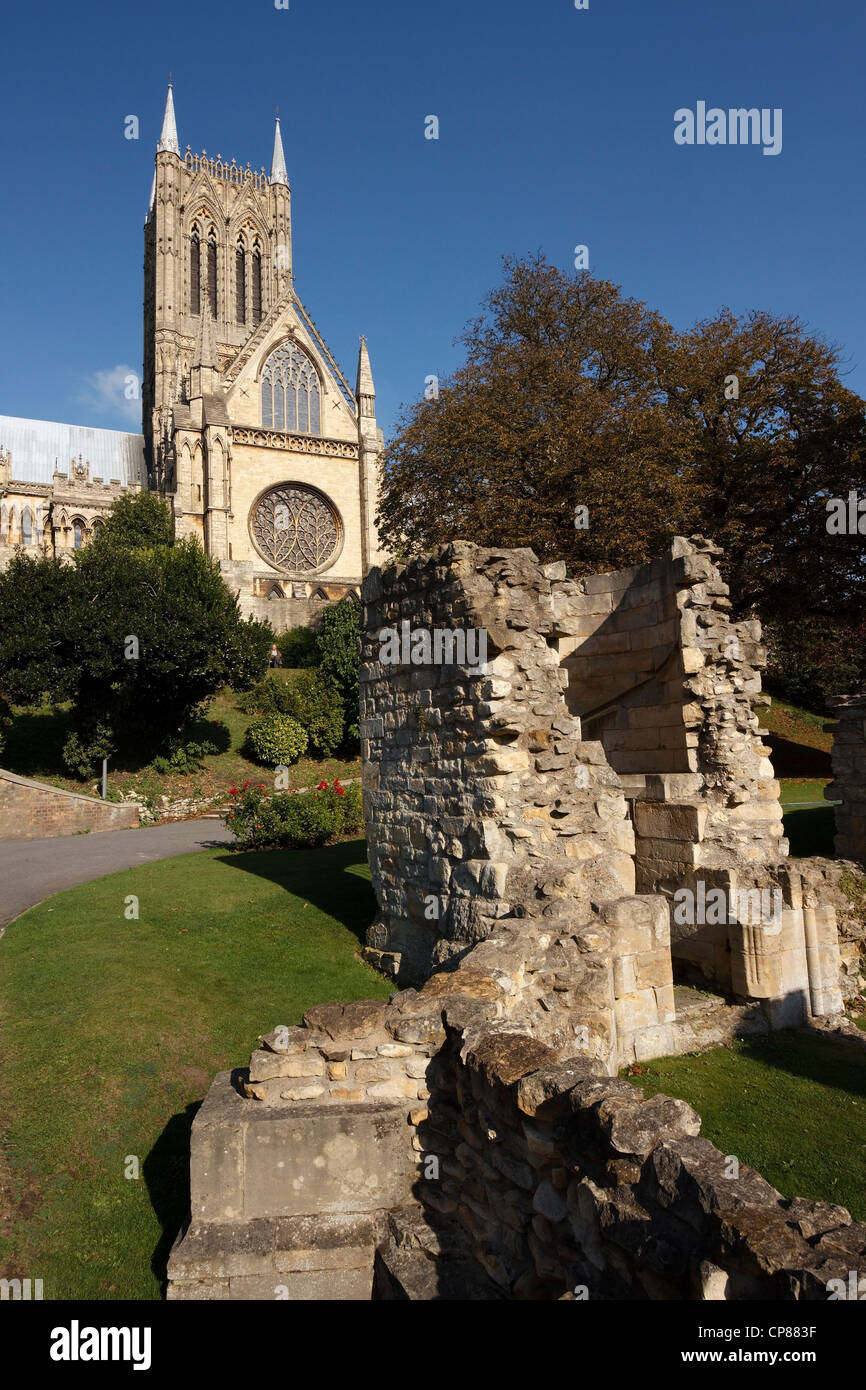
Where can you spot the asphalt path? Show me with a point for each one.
(31, 870)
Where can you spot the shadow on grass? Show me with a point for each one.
(839, 1062)
(798, 759)
(811, 830)
(166, 1173)
(327, 878)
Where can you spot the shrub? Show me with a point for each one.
(276, 740)
(298, 647)
(183, 757)
(338, 640)
(294, 819)
(318, 708)
(266, 697)
(83, 752)
(307, 697)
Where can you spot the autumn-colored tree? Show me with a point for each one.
(557, 407)
(775, 434)
(573, 396)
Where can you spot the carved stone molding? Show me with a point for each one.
(295, 443)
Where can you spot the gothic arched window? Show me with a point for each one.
(257, 284)
(212, 272)
(26, 527)
(290, 392)
(77, 533)
(240, 282)
(195, 272)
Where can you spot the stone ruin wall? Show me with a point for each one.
(424, 1149)
(485, 799)
(849, 777)
(467, 1139)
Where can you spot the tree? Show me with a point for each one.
(557, 407)
(339, 643)
(577, 405)
(37, 656)
(136, 638)
(767, 452)
(143, 518)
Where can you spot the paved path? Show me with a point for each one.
(31, 870)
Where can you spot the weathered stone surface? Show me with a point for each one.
(546, 1090)
(505, 1057)
(355, 1019)
(636, 1129)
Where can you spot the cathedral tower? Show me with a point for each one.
(250, 427)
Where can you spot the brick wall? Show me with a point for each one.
(31, 811)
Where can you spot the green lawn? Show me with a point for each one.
(792, 1105)
(112, 1030)
(803, 790)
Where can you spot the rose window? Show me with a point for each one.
(295, 528)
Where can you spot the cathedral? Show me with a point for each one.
(250, 430)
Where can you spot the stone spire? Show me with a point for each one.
(365, 391)
(278, 163)
(168, 138)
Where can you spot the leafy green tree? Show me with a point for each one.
(136, 638)
(298, 647)
(37, 656)
(339, 643)
(143, 518)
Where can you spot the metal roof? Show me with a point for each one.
(39, 447)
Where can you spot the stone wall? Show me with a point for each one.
(475, 1160)
(467, 1139)
(485, 800)
(32, 810)
(849, 777)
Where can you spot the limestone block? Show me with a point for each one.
(655, 820)
(636, 1011)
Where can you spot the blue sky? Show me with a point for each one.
(556, 129)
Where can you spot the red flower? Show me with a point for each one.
(262, 785)
(322, 787)
(244, 787)
(339, 790)
(233, 791)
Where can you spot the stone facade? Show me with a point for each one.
(849, 777)
(245, 408)
(48, 511)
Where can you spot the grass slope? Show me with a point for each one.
(793, 1106)
(111, 1031)
(35, 742)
